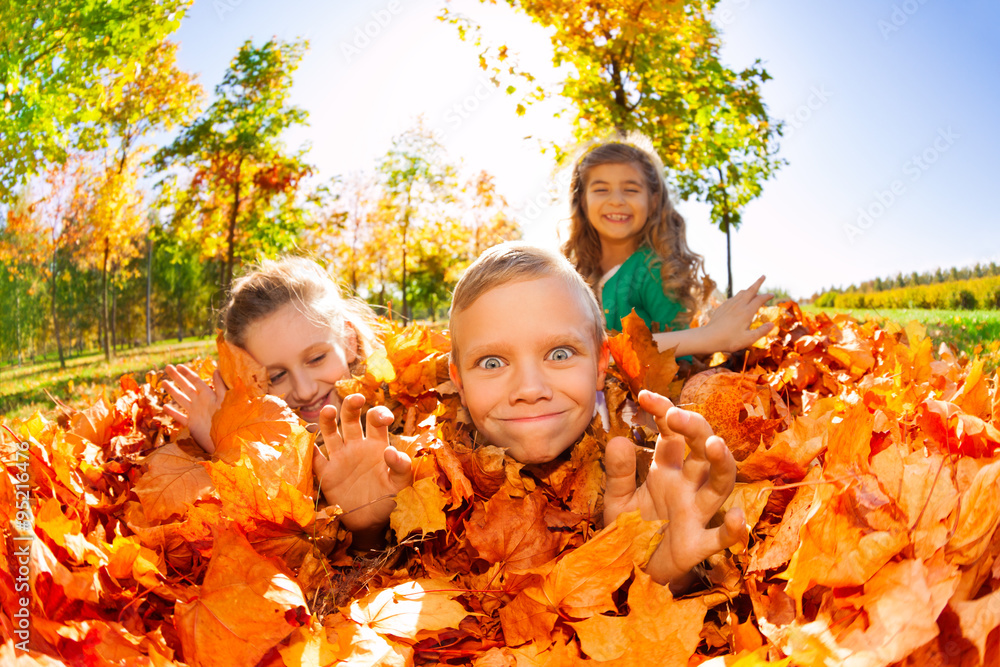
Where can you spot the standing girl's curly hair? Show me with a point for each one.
(682, 270)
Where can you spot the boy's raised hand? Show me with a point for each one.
(199, 401)
(363, 473)
(729, 325)
(686, 492)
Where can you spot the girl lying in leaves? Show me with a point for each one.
(290, 317)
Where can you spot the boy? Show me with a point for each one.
(529, 354)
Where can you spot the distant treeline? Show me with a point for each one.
(982, 292)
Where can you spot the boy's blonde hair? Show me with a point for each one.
(682, 270)
(514, 262)
(299, 281)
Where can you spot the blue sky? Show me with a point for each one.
(890, 111)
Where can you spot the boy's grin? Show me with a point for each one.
(528, 367)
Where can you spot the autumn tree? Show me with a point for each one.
(60, 59)
(113, 224)
(239, 170)
(62, 208)
(344, 215)
(488, 214)
(21, 262)
(416, 184)
(654, 67)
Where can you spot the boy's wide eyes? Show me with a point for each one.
(490, 363)
(561, 353)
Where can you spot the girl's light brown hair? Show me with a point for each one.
(682, 270)
(273, 284)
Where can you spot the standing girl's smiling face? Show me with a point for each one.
(616, 201)
(304, 359)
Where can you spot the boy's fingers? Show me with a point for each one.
(721, 476)
(619, 465)
(694, 427)
(657, 407)
(733, 529)
(350, 417)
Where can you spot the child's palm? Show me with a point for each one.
(363, 473)
(686, 492)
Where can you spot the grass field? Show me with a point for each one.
(975, 332)
(26, 388)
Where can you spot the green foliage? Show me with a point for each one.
(963, 295)
(926, 278)
(417, 184)
(654, 68)
(237, 164)
(61, 60)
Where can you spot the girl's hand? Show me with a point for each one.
(685, 492)
(363, 473)
(729, 326)
(198, 400)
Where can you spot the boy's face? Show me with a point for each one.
(528, 367)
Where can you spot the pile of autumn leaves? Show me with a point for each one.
(868, 472)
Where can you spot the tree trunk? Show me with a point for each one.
(406, 313)
(149, 288)
(180, 318)
(406, 228)
(729, 262)
(55, 314)
(104, 299)
(227, 277)
(17, 320)
(114, 321)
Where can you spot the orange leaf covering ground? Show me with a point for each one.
(869, 472)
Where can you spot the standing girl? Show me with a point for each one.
(628, 241)
(290, 317)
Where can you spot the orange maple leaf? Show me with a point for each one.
(419, 509)
(246, 605)
(639, 360)
(657, 629)
(173, 480)
(513, 531)
(847, 538)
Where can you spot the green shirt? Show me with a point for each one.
(637, 284)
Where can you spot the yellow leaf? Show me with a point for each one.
(419, 508)
(409, 608)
